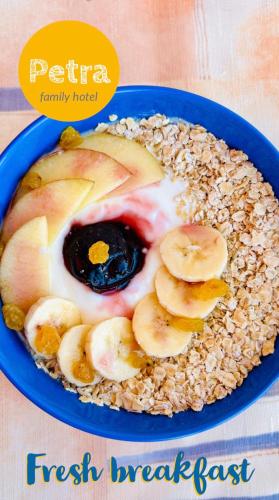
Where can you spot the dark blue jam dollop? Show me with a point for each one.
(126, 255)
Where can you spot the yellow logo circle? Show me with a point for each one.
(68, 70)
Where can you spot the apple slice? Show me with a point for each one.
(106, 173)
(24, 273)
(57, 201)
(144, 167)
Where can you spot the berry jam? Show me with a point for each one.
(125, 258)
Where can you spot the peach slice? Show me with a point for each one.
(144, 167)
(24, 273)
(106, 173)
(57, 201)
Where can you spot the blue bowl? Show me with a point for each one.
(39, 138)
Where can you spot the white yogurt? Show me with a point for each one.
(155, 208)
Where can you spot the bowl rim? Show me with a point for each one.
(145, 88)
(119, 434)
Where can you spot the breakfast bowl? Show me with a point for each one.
(40, 138)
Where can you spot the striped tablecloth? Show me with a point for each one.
(223, 49)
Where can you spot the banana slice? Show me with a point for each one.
(72, 358)
(157, 332)
(46, 321)
(178, 297)
(194, 253)
(112, 349)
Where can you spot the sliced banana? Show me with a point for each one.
(112, 349)
(157, 332)
(194, 253)
(72, 358)
(46, 321)
(177, 296)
